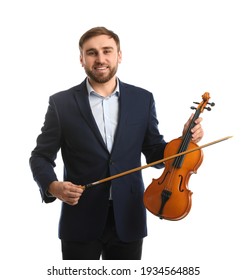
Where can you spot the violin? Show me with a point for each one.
(168, 197)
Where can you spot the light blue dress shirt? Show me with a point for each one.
(105, 111)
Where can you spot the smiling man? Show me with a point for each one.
(102, 127)
(100, 57)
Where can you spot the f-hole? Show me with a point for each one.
(180, 184)
(162, 181)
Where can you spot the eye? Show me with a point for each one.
(91, 53)
(107, 51)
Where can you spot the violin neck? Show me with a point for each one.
(186, 140)
(187, 136)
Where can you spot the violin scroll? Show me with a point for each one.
(204, 103)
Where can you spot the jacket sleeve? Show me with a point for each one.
(154, 143)
(42, 160)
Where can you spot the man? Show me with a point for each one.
(101, 126)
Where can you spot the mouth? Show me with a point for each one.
(101, 68)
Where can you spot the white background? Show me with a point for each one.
(176, 49)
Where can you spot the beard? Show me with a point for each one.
(101, 77)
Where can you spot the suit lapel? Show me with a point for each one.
(81, 97)
(123, 111)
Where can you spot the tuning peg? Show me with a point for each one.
(192, 107)
(208, 108)
(196, 102)
(211, 104)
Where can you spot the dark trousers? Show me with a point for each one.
(108, 247)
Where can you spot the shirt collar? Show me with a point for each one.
(91, 90)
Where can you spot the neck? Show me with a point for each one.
(104, 89)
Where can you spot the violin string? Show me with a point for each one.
(184, 145)
(187, 138)
(176, 162)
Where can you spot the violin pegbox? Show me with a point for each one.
(201, 106)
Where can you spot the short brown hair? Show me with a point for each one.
(96, 31)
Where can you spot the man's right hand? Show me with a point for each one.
(66, 191)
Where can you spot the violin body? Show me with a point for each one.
(173, 183)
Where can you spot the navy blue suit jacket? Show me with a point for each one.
(70, 126)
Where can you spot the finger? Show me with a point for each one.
(196, 128)
(71, 193)
(77, 189)
(197, 136)
(198, 120)
(73, 196)
(72, 202)
(197, 131)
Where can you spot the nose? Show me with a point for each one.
(100, 57)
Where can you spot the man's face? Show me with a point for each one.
(100, 58)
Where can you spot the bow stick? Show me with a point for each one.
(153, 163)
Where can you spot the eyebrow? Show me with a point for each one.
(104, 48)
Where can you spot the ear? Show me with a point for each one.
(81, 60)
(119, 56)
